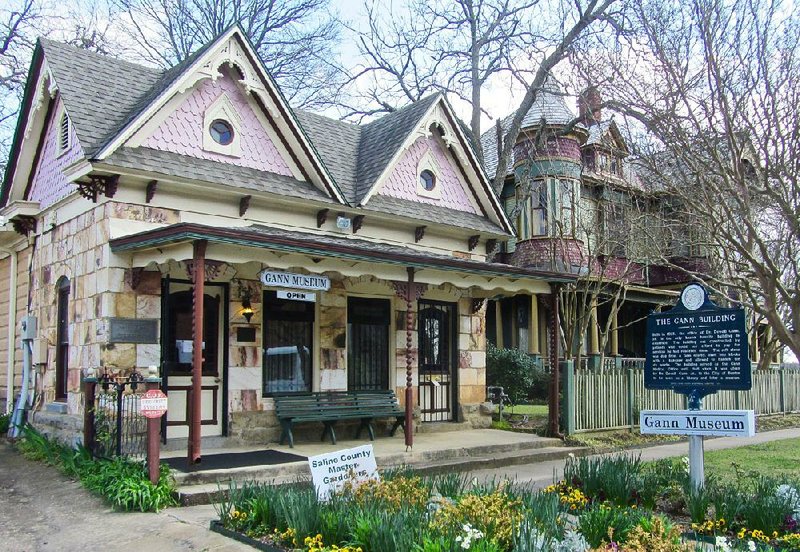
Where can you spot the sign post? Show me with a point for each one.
(152, 406)
(696, 349)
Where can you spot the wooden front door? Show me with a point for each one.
(438, 386)
(177, 358)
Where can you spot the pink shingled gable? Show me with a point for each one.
(49, 184)
(402, 182)
(181, 132)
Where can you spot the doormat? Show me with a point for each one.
(233, 460)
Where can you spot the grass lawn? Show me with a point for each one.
(778, 458)
(529, 409)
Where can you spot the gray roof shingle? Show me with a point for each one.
(99, 92)
(432, 213)
(103, 94)
(381, 139)
(175, 164)
(337, 143)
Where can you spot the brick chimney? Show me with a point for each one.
(589, 103)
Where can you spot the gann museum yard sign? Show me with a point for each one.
(697, 347)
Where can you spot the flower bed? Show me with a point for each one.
(614, 503)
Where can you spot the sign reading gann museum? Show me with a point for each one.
(697, 346)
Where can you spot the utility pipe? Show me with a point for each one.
(12, 326)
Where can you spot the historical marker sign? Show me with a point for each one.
(133, 330)
(697, 346)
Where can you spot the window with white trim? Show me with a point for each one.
(222, 128)
(428, 177)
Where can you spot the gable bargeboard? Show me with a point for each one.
(182, 130)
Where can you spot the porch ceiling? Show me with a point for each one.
(321, 253)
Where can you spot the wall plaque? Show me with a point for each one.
(133, 330)
(697, 345)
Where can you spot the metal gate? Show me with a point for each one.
(437, 355)
(119, 428)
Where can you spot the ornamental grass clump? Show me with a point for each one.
(393, 494)
(615, 479)
(496, 515)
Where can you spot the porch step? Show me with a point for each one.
(441, 427)
(181, 444)
(206, 487)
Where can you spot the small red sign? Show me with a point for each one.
(153, 404)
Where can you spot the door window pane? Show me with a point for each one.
(288, 342)
(367, 343)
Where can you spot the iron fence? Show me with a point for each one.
(118, 427)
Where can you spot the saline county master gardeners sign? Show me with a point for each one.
(697, 346)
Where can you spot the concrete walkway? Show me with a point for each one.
(542, 474)
(41, 510)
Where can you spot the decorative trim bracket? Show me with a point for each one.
(419, 233)
(213, 269)
(322, 216)
(24, 224)
(150, 193)
(472, 242)
(97, 184)
(490, 245)
(133, 276)
(244, 204)
(477, 304)
(417, 290)
(358, 222)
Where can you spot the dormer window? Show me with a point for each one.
(221, 132)
(63, 133)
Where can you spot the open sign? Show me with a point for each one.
(297, 296)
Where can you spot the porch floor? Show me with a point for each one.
(434, 452)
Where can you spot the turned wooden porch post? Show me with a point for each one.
(195, 407)
(555, 335)
(409, 361)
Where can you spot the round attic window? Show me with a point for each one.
(221, 132)
(427, 180)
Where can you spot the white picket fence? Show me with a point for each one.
(612, 399)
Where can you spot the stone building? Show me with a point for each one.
(326, 255)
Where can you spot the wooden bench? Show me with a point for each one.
(330, 407)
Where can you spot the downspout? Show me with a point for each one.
(12, 326)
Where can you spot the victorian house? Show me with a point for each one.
(143, 207)
(581, 205)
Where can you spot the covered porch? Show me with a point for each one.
(284, 311)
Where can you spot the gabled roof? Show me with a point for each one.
(108, 99)
(381, 139)
(598, 133)
(99, 92)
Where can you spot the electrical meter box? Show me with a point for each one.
(28, 325)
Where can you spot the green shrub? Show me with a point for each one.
(615, 478)
(601, 524)
(5, 422)
(124, 483)
(516, 372)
